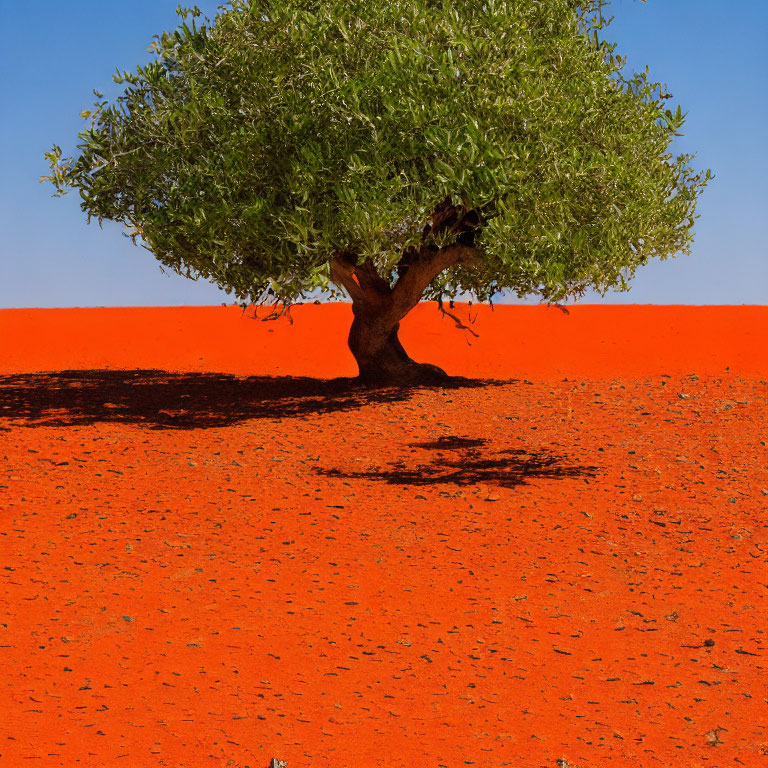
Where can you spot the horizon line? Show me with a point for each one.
(430, 301)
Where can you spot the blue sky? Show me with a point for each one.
(712, 55)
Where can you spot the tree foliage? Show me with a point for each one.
(252, 149)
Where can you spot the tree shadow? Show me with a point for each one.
(471, 466)
(161, 400)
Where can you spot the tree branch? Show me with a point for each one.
(423, 269)
(343, 274)
(455, 319)
(369, 279)
(419, 268)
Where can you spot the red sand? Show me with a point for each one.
(511, 340)
(207, 570)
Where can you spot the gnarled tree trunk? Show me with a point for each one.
(381, 358)
(378, 309)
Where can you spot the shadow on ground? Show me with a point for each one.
(468, 462)
(162, 400)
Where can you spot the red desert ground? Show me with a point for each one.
(214, 554)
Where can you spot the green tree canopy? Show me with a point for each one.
(398, 149)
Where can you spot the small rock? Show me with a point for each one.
(712, 737)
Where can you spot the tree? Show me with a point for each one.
(395, 150)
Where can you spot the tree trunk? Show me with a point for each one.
(380, 356)
(379, 307)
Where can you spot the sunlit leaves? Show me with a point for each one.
(254, 147)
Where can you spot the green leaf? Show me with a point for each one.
(251, 150)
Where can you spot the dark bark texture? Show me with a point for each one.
(378, 307)
(381, 358)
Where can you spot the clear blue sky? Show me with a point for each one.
(712, 55)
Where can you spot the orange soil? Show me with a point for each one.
(565, 557)
(504, 341)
